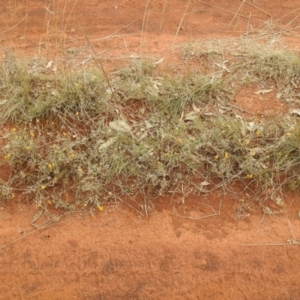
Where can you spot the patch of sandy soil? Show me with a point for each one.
(192, 250)
(201, 247)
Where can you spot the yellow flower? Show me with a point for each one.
(258, 132)
(226, 155)
(216, 157)
(249, 176)
(50, 166)
(13, 129)
(43, 187)
(288, 134)
(252, 153)
(100, 207)
(31, 133)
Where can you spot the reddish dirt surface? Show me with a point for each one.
(260, 105)
(120, 255)
(237, 253)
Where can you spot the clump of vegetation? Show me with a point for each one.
(75, 138)
(259, 59)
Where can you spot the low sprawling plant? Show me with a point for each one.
(82, 137)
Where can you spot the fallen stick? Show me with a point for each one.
(35, 230)
(288, 242)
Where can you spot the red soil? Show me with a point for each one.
(237, 252)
